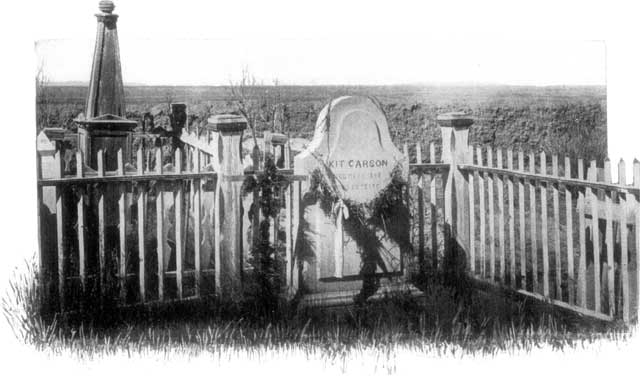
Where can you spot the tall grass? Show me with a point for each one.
(21, 306)
(439, 324)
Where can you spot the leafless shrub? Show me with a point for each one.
(44, 98)
(262, 105)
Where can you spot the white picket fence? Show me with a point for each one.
(156, 232)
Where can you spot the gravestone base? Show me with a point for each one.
(347, 297)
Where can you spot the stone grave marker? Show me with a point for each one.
(352, 142)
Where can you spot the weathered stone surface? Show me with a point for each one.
(352, 141)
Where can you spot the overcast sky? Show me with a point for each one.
(208, 43)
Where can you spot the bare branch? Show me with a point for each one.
(259, 104)
(43, 98)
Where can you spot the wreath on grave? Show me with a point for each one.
(388, 211)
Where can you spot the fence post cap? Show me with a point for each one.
(455, 119)
(276, 138)
(106, 6)
(178, 106)
(227, 123)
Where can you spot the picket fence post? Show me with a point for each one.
(456, 151)
(229, 205)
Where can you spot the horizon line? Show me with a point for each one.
(451, 84)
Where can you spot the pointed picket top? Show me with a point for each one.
(567, 167)
(607, 171)
(44, 144)
(79, 165)
(581, 169)
(432, 153)
(140, 161)
(622, 172)
(592, 172)
(100, 162)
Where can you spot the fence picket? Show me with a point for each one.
(501, 236)
(255, 220)
(595, 234)
(217, 233)
(339, 244)
(266, 147)
(122, 227)
(569, 233)
(101, 227)
(432, 153)
(294, 233)
(433, 209)
(523, 225)
(533, 223)
(624, 245)
(582, 263)
(288, 220)
(82, 251)
(275, 221)
(148, 158)
(608, 197)
(60, 235)
(483, 213)
(160, 226)
(556, 228)
(41, 228)
(472, 218)
(177, 206)
(420, 215)
(545, 226)
(142, 203)
(511, 217)
(492, 226)
(196, 189)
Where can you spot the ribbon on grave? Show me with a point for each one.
(341, 212)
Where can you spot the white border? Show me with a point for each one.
(615, 23)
